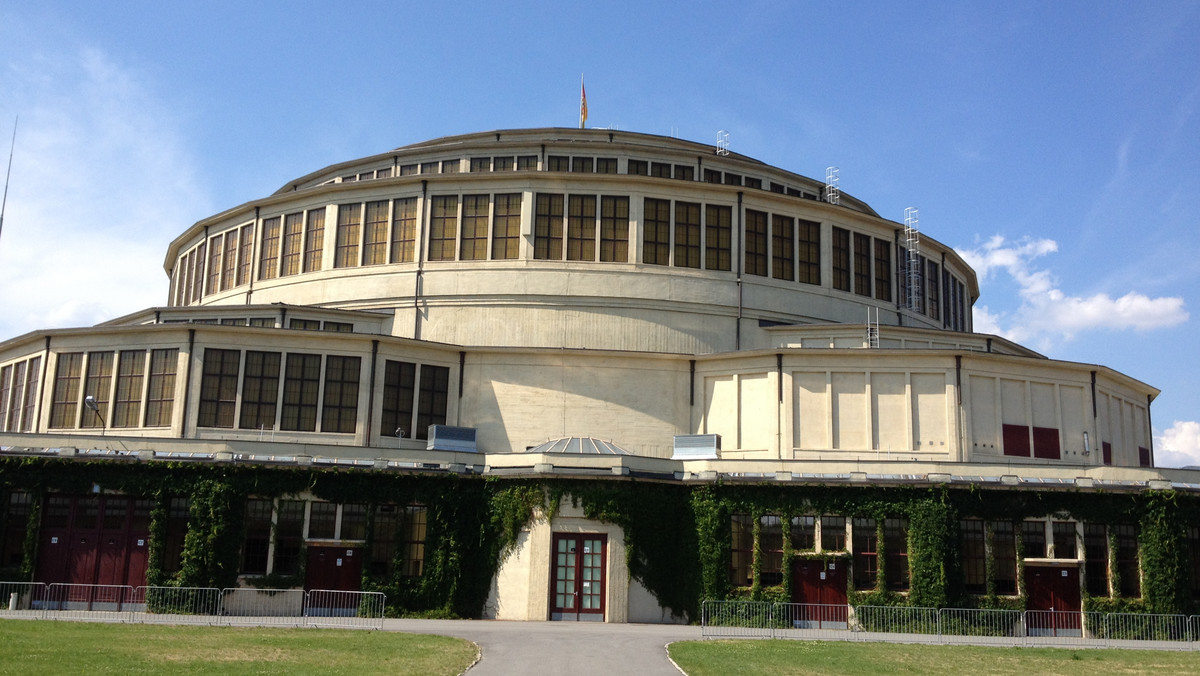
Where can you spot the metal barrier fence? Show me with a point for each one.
(192, 605)
(760, 619)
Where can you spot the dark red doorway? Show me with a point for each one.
(577, 577)
(1053, 601)
(94, 540)
(819, 589)
(336, 568)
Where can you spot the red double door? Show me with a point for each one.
(820, 586)
(1053, 600)
(95, 540)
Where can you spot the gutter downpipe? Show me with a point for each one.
(962, 414)
(42, 385)
(779, 403)
(187, 382)
(1150, 431)
(462, 364)
(371, 392)
(901, 275)
(254, 232)
(419, 282)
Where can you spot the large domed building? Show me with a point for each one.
(581, 310)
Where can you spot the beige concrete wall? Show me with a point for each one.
(521, 588)
(517, 401)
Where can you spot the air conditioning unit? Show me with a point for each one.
(696, 446)
(448, 438)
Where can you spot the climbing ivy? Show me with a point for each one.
(932, 533)
(212, 546)
(677, 538)
(1162, 539)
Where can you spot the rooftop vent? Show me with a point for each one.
(696, 446)
(448, 438)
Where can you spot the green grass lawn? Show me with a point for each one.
(748, 658)
(45, 647)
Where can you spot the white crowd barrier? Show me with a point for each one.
(240, 606)
(975, 626)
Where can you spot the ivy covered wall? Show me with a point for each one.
(677, 537)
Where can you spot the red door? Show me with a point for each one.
(82, 541)
(577, 576)
(334, 568)
(819, 586)
(54, 550)
(111, 543)
(94, 540)
(1053, 601)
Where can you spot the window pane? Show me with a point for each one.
(548, 227)
(160, 391)
(339, 412)
(435, 385)
(756, 243)
(348, 235)
(404, 230)
(808, 263)
(399, 380)
(581, 228)
(131, 369)
(97, 385)
(506, 226)
(718, 233)
(322, 520)
(473, 246)
(314, 240)
(862, 264)
(302, 382)
(614, 229)
(656, 231)
(841, 259)
(268, 259)
(783, 261)
(260, 390)
(218, 388)
(375, 234)
(687, 235)
(443, 228)
(293, 238)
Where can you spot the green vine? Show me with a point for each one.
(677, 538)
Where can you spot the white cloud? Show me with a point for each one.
(101, 183)
(1178, 446)
(1045, 311)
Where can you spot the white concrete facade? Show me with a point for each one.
(498, 299)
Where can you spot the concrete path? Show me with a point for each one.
(534, 648)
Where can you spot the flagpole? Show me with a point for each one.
(7, 174)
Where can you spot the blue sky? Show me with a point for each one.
(1057, 145)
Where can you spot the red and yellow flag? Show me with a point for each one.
(582, 104)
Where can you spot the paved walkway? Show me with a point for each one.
(522, 648)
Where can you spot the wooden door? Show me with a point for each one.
(819, 586)
(1053, 600)
(334, 568)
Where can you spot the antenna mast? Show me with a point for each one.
(722, 142)
(7, 174)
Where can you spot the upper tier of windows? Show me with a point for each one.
(774, 242)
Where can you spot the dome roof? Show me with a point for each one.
(579, 446)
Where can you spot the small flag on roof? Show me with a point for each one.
(582, 104)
